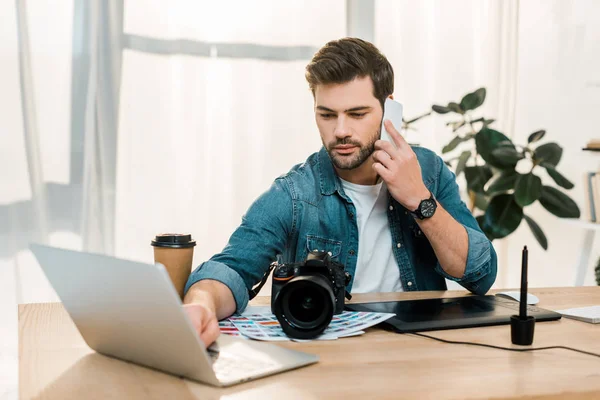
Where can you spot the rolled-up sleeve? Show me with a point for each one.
(218, 271)
(262, 235)
(481, 267)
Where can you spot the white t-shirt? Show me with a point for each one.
(376, 267)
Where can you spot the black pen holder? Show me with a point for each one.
(521, 330)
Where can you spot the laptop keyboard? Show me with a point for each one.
(230, 366)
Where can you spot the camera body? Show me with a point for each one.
(306, 295)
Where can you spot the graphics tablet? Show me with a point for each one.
(450, 313)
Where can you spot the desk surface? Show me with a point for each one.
(55, 363)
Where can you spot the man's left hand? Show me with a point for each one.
(400, 169)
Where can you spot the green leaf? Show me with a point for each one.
(455, 107)
(462, 161)
(477, 177)
(440, 109)
(558, 177)
(456, 125)
(484, 228)
(503, 216)
(485, 122)
(537, 232)
(528, 189)
(473, 100)
(452, 145)
(504, 182)
(418, 118)
(507, 153)
(558, 203)
(535, 136)
(481, 201)
(549, 153)
(455, 142)
(489, 139)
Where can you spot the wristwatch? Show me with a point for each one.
(426, 208)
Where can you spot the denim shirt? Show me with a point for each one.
(307, 209)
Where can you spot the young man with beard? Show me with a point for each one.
(392, 215)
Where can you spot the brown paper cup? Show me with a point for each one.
(175, 252)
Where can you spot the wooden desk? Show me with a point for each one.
(55, 363)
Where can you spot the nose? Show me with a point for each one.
(341, 128)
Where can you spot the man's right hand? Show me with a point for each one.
(205, 322)
(206, 302)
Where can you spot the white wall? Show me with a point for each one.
(440, 50)
(559, 90)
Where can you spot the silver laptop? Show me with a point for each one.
(131, 311)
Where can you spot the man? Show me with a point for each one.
(362, 200)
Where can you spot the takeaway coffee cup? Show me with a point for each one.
(175, 251)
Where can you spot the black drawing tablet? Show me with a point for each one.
(450, 313)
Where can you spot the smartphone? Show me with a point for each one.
(392, 110)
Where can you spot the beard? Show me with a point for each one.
(354, 160)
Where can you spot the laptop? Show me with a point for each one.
(450, 313)
(131, 311)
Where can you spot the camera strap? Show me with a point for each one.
(253, 292)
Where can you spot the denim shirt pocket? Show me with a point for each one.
(333, 247)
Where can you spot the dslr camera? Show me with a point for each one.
(306, 295)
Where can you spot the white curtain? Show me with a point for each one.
(211, 111)
(123, 121)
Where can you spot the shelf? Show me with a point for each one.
(581, 223)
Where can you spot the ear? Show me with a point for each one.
(391, 96)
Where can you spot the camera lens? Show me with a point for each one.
(305, 306)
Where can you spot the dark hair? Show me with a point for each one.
(343, 60)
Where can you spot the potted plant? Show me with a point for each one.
(498, 191)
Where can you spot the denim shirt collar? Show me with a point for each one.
(329, 180)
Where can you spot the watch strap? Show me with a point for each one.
(417, 213)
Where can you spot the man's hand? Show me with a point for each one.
(205, 322)
(400, 169)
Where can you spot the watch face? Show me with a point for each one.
(428, 208)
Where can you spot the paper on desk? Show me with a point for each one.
(227, 327)
(586, 314)
(264, 326)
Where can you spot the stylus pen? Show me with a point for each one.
(523, 302)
